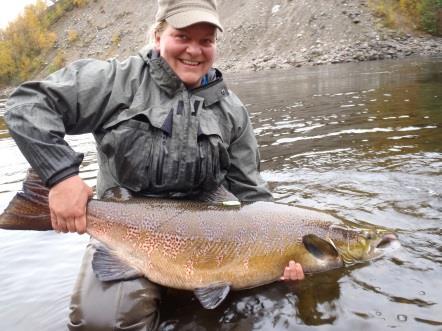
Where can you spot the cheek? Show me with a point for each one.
(210, 53)
(167, 47)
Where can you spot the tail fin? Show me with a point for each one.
(29, 209)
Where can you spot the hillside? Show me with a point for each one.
(259, 34)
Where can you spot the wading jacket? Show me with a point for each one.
(153, 135)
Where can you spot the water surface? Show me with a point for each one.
(361, 141)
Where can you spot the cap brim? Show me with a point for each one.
(188, 18)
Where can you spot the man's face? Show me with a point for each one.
(190, 51)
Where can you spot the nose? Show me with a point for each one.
(193, 48)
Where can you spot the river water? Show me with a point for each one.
(361, 141)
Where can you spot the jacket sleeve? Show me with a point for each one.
(74, 100)
(243, 178)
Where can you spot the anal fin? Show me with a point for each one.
(211, 296)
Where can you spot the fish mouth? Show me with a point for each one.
(388, 243)
(384, 245)
(387, 240)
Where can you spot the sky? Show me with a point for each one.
(10, 9)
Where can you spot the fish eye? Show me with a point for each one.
(367, 235)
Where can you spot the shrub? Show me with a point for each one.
(58, 62)
(72, 36)
(424, 14)
(26, 41)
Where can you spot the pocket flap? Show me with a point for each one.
(209, 125)
(156, 116)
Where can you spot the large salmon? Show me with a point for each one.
(206, 247)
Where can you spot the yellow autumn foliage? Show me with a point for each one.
(23, 44)
(80, 3)
(425, 15)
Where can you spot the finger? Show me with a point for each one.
(54, 222)
(291, 270)
(285, 274)
(62, 226)
(299, 272)
(70, 224)
(80, 224)
(296, 272)
(294, 275)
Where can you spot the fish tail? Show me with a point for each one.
(29, 209)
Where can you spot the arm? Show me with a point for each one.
(74, 100)
(243, 178)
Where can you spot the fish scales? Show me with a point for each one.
(212, 244)
(193, 245)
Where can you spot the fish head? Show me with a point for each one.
(358, 245)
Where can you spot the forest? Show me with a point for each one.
(26, 42)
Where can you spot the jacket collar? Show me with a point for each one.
(167, 80)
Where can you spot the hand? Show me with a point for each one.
(67, 203)
(293, 272)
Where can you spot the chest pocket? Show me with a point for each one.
(213, 156)
(128, 144)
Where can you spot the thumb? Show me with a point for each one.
(90, 192)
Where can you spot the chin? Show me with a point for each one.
(191, 82)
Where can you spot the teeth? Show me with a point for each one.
(192, 63)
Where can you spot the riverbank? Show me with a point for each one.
(258, 35)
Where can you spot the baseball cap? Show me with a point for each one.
(183, 13)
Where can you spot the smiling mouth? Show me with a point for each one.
(190, 63)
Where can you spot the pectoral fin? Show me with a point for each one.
(211, 296)
(319, 247)
(108, 267)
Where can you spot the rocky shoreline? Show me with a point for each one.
(258, 35)
(393, 48)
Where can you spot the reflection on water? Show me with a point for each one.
(362, 141)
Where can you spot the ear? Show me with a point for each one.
(157, 41)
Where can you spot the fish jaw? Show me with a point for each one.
(360, 245)
(387, 244)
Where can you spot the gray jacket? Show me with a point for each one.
(153, 135)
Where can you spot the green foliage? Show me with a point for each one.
(424, 14)
(431, 16)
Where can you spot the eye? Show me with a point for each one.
(207, 40)
(367, 235)
(181, 37)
